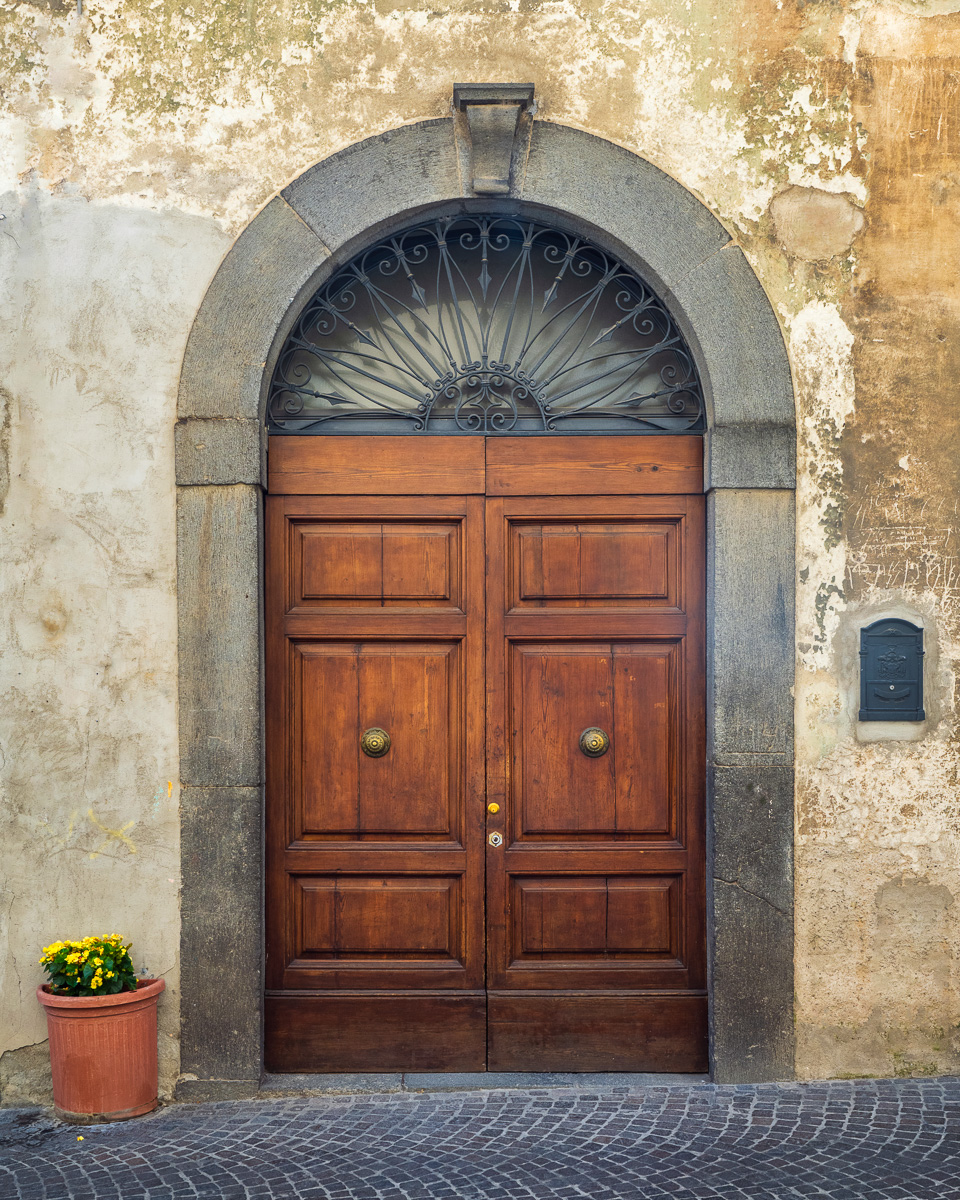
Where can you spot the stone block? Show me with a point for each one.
(267, 271)
(664, 229)
(751, 830)
(210, 1091)
(464, 1081)
(377, 180)
(221, 935)
(220, 451)
(738, 343)
(333, 1084)
(752, 1031)
(751, 456)
(218, 602)
(750, 623)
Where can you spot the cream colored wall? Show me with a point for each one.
(140, 137)
(97, 302)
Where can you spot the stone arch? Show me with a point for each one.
(684, 252)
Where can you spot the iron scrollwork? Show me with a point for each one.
(485, 324)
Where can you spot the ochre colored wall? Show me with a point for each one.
(139, 138)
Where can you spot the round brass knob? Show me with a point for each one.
(375, 742)
(594, 742)
(493, 808)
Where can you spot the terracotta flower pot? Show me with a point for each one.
(103, 1052)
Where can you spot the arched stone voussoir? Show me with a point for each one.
(263, 275)
(355, 191)
(731, 327)
(663, 228)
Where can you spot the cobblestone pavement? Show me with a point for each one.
(871, 1139)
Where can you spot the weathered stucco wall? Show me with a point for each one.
(140, 136)
(96, 301)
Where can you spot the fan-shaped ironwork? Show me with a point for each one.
(485, 324)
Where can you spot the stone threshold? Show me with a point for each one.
(284, 1086)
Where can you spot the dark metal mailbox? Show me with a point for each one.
(891, 671)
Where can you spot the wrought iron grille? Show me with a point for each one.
(485, 324)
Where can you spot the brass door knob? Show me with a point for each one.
(375, 742)
(594, 742)
(493, 808)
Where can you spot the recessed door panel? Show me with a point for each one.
(370, 918)
(596, 918)
(558, 692)
(375, 563)
(627, 691)
(584, 565)
(409, 690)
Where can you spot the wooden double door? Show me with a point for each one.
(485, 754)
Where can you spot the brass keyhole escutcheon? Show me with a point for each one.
(375, 742)
(594, 742)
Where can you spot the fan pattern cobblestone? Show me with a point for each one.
(860, 1140)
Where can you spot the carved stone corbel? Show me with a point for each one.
(492, 119)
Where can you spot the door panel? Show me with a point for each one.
(587, 565)
(377, 564)
(374, 613)
(628, 690)
(599, 1031)
(357, 1031)
(595, 900)
(401, 936)
(379, 917)
(579, 917)
(409, 689)
(591, 466)
(378, 466)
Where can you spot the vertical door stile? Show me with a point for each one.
(498, 823)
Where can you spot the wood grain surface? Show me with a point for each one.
(485, 634)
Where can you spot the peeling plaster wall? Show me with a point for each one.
(140, 137)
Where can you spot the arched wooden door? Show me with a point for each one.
(485, 754)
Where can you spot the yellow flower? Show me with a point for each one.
(72, 958)
(110, 974)
(97, 962)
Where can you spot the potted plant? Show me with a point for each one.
(102, 1024)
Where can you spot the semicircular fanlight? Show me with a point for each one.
(485, 324)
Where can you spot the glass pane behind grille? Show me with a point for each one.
(485, 324)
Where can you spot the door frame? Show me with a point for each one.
(665, 233)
